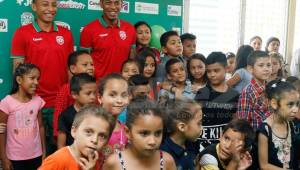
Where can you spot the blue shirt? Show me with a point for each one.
(184, 158)
(122, 116)
(187, 92)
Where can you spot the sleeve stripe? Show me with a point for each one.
(17, 57)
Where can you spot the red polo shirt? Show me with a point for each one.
(47, 50)
(110, 46)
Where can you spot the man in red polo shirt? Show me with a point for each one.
(110, 40)
(46, 45)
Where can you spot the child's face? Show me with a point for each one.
(226, 140)
(84, 64)
(87, 94)
(288, 106)
(130, 69)
(91, 135)
(143, 35)
(115, 96)
(273, 46)
(173, 47)
(231, 64)
(29, 82)
(262, 68)
(256, 44)
(145, 134)
(275, 65)
(149, 67)
(194, 127)
(215, 73)
(45, 10)
(177, 73)
(141, 90)
(189, 48)
(197, 69)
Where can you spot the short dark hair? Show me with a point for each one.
(269, 41)
(216, 57)
(137, 80)
(242, 126)
(171, 62)
(165, 37)
(141, 58)
(103, 82)
(131, 61)
(72, 59)
(255, 37)
(254, 55)
(141, 106)
(78, 80)
(230, 55)
(187, 36)
(139, 23)
(96, 111)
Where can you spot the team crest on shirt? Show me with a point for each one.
(60, 40)
(122, 35)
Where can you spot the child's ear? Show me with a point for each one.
(72, 69)
(169, 77)
(181, 126)
(164, 50)
(74, 95)
(274, 104)
(33, 7)
(99, 98)
(250, 68)
(19, 79)
(127, 132)
(73, 131)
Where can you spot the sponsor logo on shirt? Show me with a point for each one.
(37, 39)
(70, 4)
(63, 24)
(3, 25)
(122, 35)
(26, 18)
(60, 40)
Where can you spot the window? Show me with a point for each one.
(297, 28)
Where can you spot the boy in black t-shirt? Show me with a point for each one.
(232, 150)
(217, 99)
(83, 89)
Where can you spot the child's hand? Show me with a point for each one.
(195, 88)
(240, 156)
(245, 161)
(90, 163)
(6, 164)
(2, 127)
(165, 85)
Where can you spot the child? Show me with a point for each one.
(241, 77)
(144, 129)
(256, 43)
(252, 104)
(180, 87)
(217, 99)
(113, 97)
(232, 150)
(196, 71)
(277, 71)
(231, 64)
(130, 67)
(172, 48)
(276, 134)
(83, 89)
(272, 45)
(139, 86)
(189, 45)
(22, 146)
(143, 37)
(184, 128)
(146, 59)
(78, 62)
(91, 130)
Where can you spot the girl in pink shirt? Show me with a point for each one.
(22, 145)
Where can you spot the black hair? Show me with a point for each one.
(276, 88)
(103, 81)
(131, 61)
(292, 79)
(137, 80)
(178, 110)
(171, 62)
(255, 37)
(78, 80)
(254, 55)
(242, 55)
(216, 57)
(269, 41)
(96, 111)
(139, 23)
(230, 55)
(142, 56)
(242, 126)
(165, 37)
(196, 56)
(141, 106)
(187, 36)
(72, 59)
(22, 69)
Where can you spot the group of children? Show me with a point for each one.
(178, 110)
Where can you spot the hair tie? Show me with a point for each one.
(274, 85)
